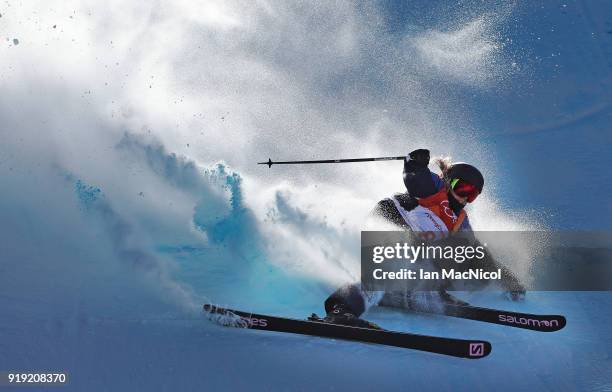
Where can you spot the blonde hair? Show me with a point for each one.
(444, 163)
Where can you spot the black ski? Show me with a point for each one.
(472, 349)
(534, 322)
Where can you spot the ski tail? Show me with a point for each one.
(462, 348)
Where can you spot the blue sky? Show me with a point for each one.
(549, 122)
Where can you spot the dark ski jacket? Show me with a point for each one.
(420, 183)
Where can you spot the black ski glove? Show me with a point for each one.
(420, 158)
(417, 177)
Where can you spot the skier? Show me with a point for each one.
(431, 204)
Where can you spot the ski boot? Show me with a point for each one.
(342, 315)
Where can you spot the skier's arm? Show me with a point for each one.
(417, 177)
(514, 289)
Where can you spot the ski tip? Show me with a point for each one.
(562, 322)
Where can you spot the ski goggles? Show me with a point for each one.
(464, 189)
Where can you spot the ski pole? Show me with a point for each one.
(270, 162)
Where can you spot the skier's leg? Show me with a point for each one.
(349, 302)
(397, 299)
(429, 301)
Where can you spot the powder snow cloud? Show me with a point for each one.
(165, 107)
